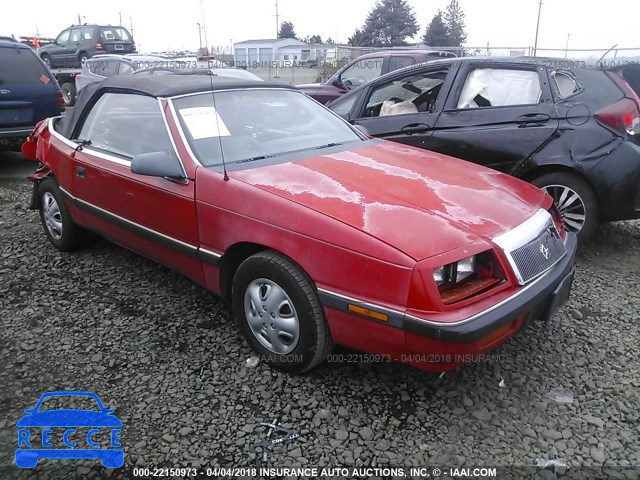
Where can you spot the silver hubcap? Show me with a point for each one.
(571, 206)
(52, 215)
(271, 316)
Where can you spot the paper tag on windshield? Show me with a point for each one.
(204, 122)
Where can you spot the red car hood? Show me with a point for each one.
(420, 202)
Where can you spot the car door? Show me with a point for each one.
(56, 51)
(497, 114)
(153, 216)
(404, 108)
(71, 47)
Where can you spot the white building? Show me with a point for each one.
(262, 53)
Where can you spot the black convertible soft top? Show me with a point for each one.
(155, 86)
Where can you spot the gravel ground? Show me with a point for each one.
(166, 355)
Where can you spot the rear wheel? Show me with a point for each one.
(576, 201)
(83, 57)
(62, 231)
(46, 59)
(68, 94)
(279, 314)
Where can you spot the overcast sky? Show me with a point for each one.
(172, 25)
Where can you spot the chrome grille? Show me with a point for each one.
(539, 254)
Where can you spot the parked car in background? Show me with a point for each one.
(367, 67)
(78, 43)
(229, 72)
(316, 233)
(100, 67)
(28, 93)
(564, 126)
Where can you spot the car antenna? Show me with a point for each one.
(215, 111)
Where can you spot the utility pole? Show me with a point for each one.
(120, 16)
(204, 27)
(79, 21)
(535, 44)
(566, 48)
(199, 38)
(277, 20)
(131, 24)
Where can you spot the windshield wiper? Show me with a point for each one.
(334, 144)
(259, 157)
(81, 143)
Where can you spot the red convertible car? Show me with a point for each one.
(317, 234)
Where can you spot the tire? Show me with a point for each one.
(294, 336)
(47, 60)
(83, 57)
(575, 199)
(68, 94)
(63, 233)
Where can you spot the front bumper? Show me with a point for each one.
(450, 346)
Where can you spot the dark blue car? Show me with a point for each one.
(99, 420)
(28, 93)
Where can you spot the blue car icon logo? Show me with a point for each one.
(103, 429)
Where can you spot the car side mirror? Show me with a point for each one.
(337, 82)
(362, 129)
(158, 164)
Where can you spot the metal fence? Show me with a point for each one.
(321, 64)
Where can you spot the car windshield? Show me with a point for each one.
(256, 123)
(69, 402)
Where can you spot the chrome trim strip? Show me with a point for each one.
(362, 303)
(403, 315)
(106, 156)
(202, 254)
(130, 223)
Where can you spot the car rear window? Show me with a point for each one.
(20, 66)
(115, 33)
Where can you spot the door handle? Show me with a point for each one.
(81, 173)
(415, 128)
(532, 119)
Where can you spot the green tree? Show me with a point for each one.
(330, 41)
(436, 34)
(454, 21)
(286, 30)
(387, 25)
(315, 39)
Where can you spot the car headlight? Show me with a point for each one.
(468, 277)
(455, 272)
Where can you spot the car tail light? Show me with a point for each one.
(484, 273)
(624, 86)
(622, 117)
(99, 45)
(557, 220)
(60, 98)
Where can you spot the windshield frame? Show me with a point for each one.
(283, 157)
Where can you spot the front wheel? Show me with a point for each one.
(279, 314)
(576, 201)
(63, 233)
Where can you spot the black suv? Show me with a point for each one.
(571, 128)
(79, 42)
